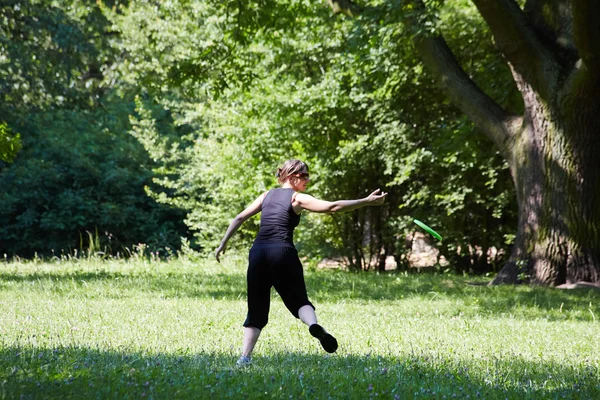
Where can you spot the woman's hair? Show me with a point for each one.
(289, 168)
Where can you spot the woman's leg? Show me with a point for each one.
(259, 298)
(251, 335)
(307, 315)
(292, 288)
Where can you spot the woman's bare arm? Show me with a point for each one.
(251, 210)
(310, 203)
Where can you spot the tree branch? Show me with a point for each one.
(485, 113)
(346, 7)
(553, 21)
(495, 122)
(586, 31)
(499, 125)
(518, 41)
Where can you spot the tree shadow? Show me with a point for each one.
(430, 287)
(323, 286)
(82, 372)
(123, 284)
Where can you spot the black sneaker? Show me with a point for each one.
(327, 341)
(243, 362)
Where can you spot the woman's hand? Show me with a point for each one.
(221, 249)
(376, 198)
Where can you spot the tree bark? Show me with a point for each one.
(555, 159)
(555, 166)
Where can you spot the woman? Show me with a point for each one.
(273, 259)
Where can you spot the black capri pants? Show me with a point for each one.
(278, 266)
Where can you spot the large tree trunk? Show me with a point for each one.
(555, 165)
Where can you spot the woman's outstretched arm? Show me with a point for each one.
(251, 210)
(310, 203)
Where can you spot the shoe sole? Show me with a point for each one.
(328, 342)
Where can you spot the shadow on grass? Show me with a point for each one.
(117, 284)
(66, 372)
(323, 286)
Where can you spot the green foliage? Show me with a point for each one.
(10, 143)
(79, 173)
(65, 184)
(217, 94)
(140, 328)
(54, 53)
(348, 97)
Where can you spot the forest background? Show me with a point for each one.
(147, 125)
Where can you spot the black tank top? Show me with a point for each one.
(278, 219)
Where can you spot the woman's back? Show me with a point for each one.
(278, 219)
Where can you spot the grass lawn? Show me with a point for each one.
(142, 329)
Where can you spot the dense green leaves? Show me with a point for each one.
(348, 97)
(130, 109)
(79, 174)
(10, 143)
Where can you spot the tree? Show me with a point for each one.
(246, 85)
(79, 173)
(553, 50)
(249, 84)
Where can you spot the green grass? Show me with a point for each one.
(142, 329)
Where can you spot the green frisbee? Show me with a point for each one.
(428, 229)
